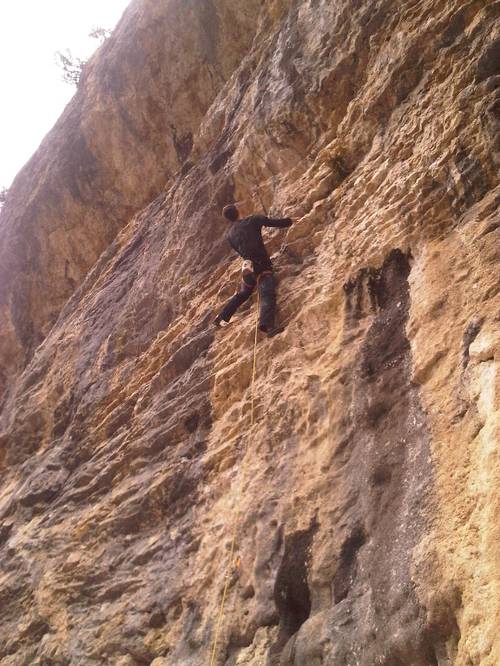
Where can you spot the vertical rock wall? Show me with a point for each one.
(365, 489)
(119, 142)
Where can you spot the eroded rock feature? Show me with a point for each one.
(385, 456)
(291, 591)
(368, 529)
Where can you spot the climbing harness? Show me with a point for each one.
(232, 560)
(247, 273)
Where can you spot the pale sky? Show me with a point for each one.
(33, 94)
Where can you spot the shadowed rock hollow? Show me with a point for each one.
(368, 530)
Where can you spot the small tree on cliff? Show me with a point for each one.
(71, 66)
(99, 33)
(3, 195)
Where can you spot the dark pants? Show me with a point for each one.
(267, 293)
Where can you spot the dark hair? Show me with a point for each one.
(230, 212)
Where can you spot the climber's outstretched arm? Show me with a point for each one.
(277, 222)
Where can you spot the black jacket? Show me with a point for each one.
(245, 236)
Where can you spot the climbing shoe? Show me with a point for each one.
(220, 323)
(274, 331)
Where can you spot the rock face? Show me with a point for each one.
(119, 142)
(362, 493)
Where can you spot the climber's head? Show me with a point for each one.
(230, 213)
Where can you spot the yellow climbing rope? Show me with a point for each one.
(229, 567)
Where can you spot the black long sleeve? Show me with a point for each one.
(281, 222)
(245, 236)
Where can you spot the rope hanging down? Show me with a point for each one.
(231, 560)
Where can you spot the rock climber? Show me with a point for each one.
(245, 236)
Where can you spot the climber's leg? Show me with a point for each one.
(267, 292)
(245, 291)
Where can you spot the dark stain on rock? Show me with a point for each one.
(376, 616)
(360, 297)
(347, 569)
(5, 530)
(291, 590)
(157, 618)
(455, 27)
(220, 161)
(191, 423)
(489, 61)
(80, 167)
(25, 331)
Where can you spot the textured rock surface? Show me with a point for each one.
(368, 529)
(117, 145)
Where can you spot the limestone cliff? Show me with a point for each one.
(119, 142)
(364, 495)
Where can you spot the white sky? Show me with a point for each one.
(33, 94)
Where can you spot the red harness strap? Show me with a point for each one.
(251, 286)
